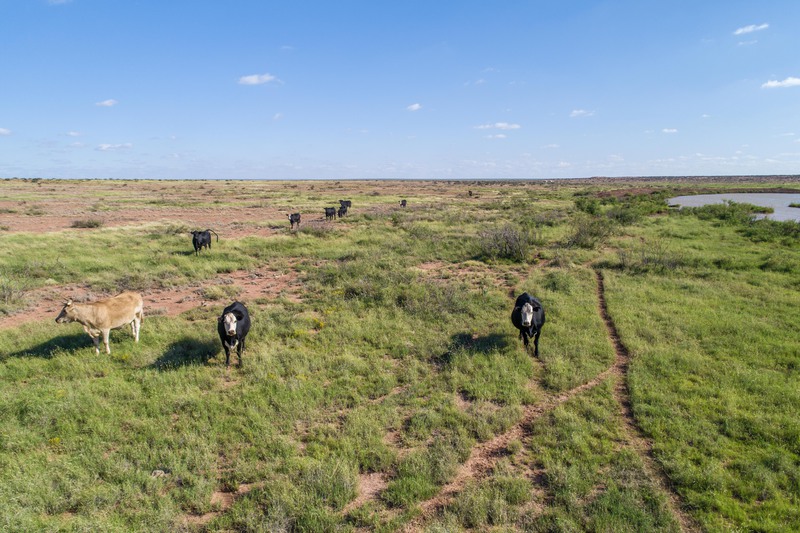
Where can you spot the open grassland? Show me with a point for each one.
(387, 390)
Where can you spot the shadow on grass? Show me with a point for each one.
(45, 350)
(185, 352)
(471, 344)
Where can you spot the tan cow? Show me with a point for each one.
(104, 315)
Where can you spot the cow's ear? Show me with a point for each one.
(219, 319)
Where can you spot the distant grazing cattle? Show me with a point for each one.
(201, 239)
(232, 327)
(470, 193)
(346, 203)
(528, 318)
(342, 211)
(330, 213)
(294, 218)
(403, 203)
(99, 318)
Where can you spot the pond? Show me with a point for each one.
(778, 201)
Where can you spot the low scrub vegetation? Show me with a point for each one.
(392, 364)
(87, 223)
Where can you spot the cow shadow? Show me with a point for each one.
(471, 345)
(46, 349)
(187, 351)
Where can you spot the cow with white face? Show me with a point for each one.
(233, 326)
(528, 318)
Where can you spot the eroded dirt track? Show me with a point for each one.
(485, 455)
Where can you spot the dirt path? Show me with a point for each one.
(485, 455)
(252, 284)
(642, 445)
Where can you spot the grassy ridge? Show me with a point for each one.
(401, 357)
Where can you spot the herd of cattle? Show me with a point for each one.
(100, 317)
(330, 213)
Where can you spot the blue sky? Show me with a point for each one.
(398, 89)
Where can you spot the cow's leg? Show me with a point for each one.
(536, 343)
(227, 357)
(105, 340)
(240, 351)
(525, 338)
(96, 341)
(139, 318)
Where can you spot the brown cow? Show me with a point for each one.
(104, 315)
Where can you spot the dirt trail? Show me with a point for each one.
(257, 283)
(642, 445)
(485, 455)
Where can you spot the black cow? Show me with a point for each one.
(342, 211)
(202, 238)
(346, 203)
(330, 213)
(232, 327)
(528, 318)
(403, 203)
(294, 218)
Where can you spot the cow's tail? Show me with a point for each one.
(214, 232)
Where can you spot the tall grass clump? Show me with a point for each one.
(588, 232)
(653, 256)
(87, 223)
(509, 242)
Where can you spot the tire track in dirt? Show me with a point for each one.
(486, 454)
(636, 439)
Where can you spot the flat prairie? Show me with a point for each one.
(383, 387)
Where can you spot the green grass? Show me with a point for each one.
(401, 358)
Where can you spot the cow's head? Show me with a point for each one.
(229, 324)
(66, 314)
(527, 314)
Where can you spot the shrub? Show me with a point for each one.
(508, 242)
(87, 223)
(650, 257)
(588, 205)
(588, 232)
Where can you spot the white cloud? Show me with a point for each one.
(277, 116)
(580, 113)
(499, 126)
(57, 2)
(107, 103)
(5, 131)
(750, 29)
(669, 130)
(788, 82)
(497, 136)
(112, 147)
(553, 146)
(257, 79)
(73, 134)
(414, 107)
(747, 43)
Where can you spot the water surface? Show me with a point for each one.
(778, 201)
